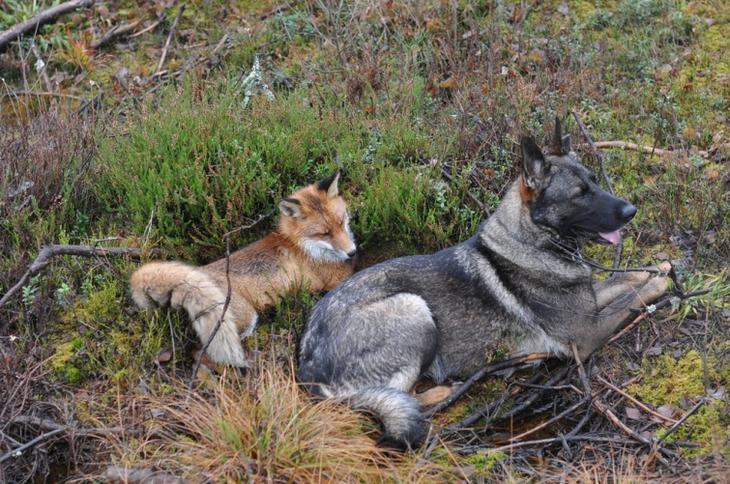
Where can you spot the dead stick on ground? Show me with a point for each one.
(635, 401)
(169, 38)
(122, 474)
(651, 309)
(19, 450)
(606, 412)
(46, 16)
(49, 251)
(643, 148)
(54, 429)
(116, 31)
(551, 421)
(152, 26)
(681, 421)
(42, 94)
(481, 373)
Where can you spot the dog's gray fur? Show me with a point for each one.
(509, 287)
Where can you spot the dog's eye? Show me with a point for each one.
(323, 234)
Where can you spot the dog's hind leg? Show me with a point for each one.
(387, 346)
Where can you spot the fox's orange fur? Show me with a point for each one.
(312, 248)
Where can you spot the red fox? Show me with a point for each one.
(311, 248)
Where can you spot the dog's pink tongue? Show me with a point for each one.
(613, 237)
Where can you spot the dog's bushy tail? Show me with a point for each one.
(399, 413)
(183, 286)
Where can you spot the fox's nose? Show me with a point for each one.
(352, 253)
(628, 211)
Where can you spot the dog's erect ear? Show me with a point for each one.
(291, 207)
(533, 162)
(560, 143)
(329, 184)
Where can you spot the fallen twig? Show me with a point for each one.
(47, 252)
(558, 376)
(46, 16)
(636, 402)
(643, 148)
(18, 451)
(53, 428)
(555, 440)
(481, 373)
(169, 38)
(151, 26)
(554, 419)
(42, 94)
(48, 424)
(116, 31)
(122, 474)
(651, 309)
(487, 408)
(681, 421)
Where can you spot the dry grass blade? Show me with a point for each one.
(262, 426)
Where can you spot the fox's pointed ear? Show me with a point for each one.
(329, 185)
(560, 143)
(291, 207)
(533, 162)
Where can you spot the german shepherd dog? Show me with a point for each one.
(511, 287)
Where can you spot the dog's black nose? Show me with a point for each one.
(628, 211)
(352, 253)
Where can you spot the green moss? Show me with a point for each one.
(484, 462)
(677, 381)
(63, 361)
(669, 381)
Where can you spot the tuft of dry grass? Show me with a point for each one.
(43, 160)
(259, 426)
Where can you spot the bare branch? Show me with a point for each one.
(46, 16)
(116, 31)
(481, 373)
(635, 401)
(642, 148)
(122, 474)
(169, 38)
(49, 251)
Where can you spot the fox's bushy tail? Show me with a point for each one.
(183, 286)
(399, 413)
